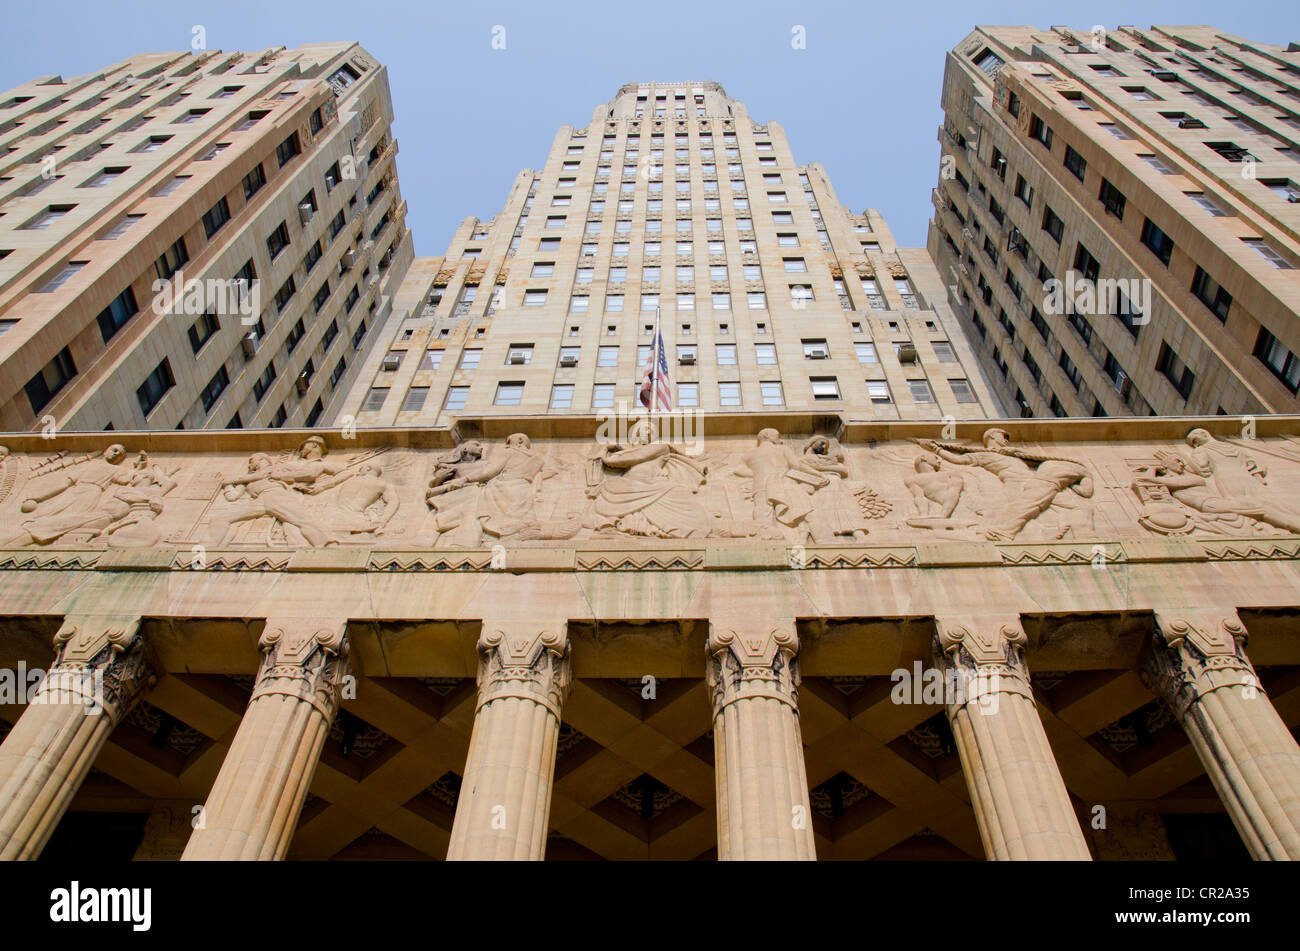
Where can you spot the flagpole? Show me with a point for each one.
(654, 355)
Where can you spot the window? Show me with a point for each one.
(1230, 151)
(64, 275)
(1283, 363)
(171, 185)
(722, 302)
(285, 294)
(1085, 263)
(1052, 224)
(278, 240)
(122, 226)
(1157, 164)
(216, 216)
(1040, 131)
(1161, 245)
(962, 391)
(469, 359)
(1208, 291)
(602, 396)
(943, 351)
(263, 383)
(151, 144)
(53, 377)
(728, 394)
(171, 260)
(155, 387)
(1117, 131)
(988, 61)
(201, 331)
(801, 293)
(878, 391)
(825, 387)
(1139, 93)
(555, 221)
(216, 386)
(1268, 253)
(509, 394)
(1207, 204)
(726, 354)
(921, 392)
(1112, 199)
(688, 394)
(322, 295)
(1283, 188)
(771, 393)
(1175, 371)
(613, 303)
(562, 396)
(47, 217)
(286, 150)
(534, 298)
(1075, 163)
(105, 177)
(456, 397)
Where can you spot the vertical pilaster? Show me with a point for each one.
(101, 667)
(1019, 798)
(1198, 664)
(505, 796)
(253, 808)
(763, 805)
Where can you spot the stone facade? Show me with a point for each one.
(794, 637)
(274, 168)
(770, 294)
(1167, 159)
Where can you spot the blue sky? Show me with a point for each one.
(862, 98)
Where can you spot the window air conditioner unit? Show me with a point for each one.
(516, 359)
(686, 360)
(391, 362)
(818, 353)
(304, 212)
(349, 258)
(1123, 385)
(1025, 411)
(302, 383)
(568, 360)
(907, 353)
(249, 345)
(1000, 164)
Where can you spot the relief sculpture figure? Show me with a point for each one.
(1031, 484)
(648, 489)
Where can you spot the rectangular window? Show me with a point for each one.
(688, 394)
(53, 377)
(1161, 245)
(216, 386)
(155, 387)
(1075, 163)
(286, 150)
(456, 397)
(562, 396)
(771, 393)
(1268, 253)
(216, 216)
(1157, 164)
(878, 391)
(1207, 204)
(1175, 371)
(62, 277)
(469, 359)
(1280, 360)
(921, 392)
(278, 240)
(47, 217)
(825, 387)
(602, 396)
(726, 354)
(1112, 199)
(201, 331)
(171, 260)
(728, 394)
(122, 226)
(509, 394)
(962, 391)
(106, 177)
(1052, 224)
(1211, 294)
(866, 352)
(534, 298)
(285, 294)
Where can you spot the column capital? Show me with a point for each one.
(306, 658)
(102, 661)
(986, 650)
(1195, 651)
(750, 659)
(525, 659)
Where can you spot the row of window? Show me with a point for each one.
(510, 393)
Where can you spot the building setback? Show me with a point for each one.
(770, 294)
(261, 187)
(1165, 159)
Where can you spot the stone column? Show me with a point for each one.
(1016, 790)
(253, 808)
(1198, 664)
(102, 665)
(763, 806)
(505, 797)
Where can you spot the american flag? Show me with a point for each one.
(656, 399)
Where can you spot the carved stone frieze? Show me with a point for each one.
(643, 484)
